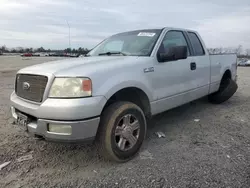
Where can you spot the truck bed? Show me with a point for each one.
(219, 64)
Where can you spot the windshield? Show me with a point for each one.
(132, 43)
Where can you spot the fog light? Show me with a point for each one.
(60, 129)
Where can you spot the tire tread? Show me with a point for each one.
(109, 115)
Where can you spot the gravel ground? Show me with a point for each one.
(211, 152)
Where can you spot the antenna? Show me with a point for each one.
(69, 36)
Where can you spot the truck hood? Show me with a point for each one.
(78, 66)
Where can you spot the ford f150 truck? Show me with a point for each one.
(109, 94)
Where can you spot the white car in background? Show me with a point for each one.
(247, 63)
(244, 62)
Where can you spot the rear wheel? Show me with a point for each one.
(227, 89)
(122, 131)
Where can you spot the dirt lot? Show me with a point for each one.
(213, 152)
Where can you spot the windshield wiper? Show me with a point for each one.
(111, 53)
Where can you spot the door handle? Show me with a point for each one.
(192, 65)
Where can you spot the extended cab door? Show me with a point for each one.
(201, 64)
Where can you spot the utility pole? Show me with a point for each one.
(69, 35)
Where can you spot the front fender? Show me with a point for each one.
(116, 83)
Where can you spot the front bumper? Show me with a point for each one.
(84, 130)
(81, 114)
(61, 109)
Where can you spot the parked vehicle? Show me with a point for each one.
(60, 54)
(51, 54)
(247, 63)
(244, 62)
(121, 83)
(36, 54)
(74, 55)
(44, 54)
(26, 55)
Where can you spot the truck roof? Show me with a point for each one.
(161, 28)
(176, 28)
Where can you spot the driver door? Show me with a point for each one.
(172, 79)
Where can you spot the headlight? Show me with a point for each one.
(71, 88)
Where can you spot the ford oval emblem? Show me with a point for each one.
(26, 85)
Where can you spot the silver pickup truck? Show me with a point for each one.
(109, 94)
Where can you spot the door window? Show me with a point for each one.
(173, 38)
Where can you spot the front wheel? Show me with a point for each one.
(122, 131)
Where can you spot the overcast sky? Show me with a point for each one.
(35, 23)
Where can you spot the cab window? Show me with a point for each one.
(196, 43)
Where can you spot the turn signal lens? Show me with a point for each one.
(86, 85)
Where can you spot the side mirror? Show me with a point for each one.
(173, 53)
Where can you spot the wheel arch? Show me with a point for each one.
(132, 94)
(227, 74)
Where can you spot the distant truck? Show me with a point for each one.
(109, 94)
(36, 54)
(27, 55)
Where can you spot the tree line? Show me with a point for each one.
(220, 50)
(239, 51)
(80, 50)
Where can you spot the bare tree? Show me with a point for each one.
(238, 51)
(248, 52)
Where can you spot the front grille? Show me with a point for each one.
(31, 87)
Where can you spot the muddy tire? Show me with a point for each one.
(122, 131)
(227, 89)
